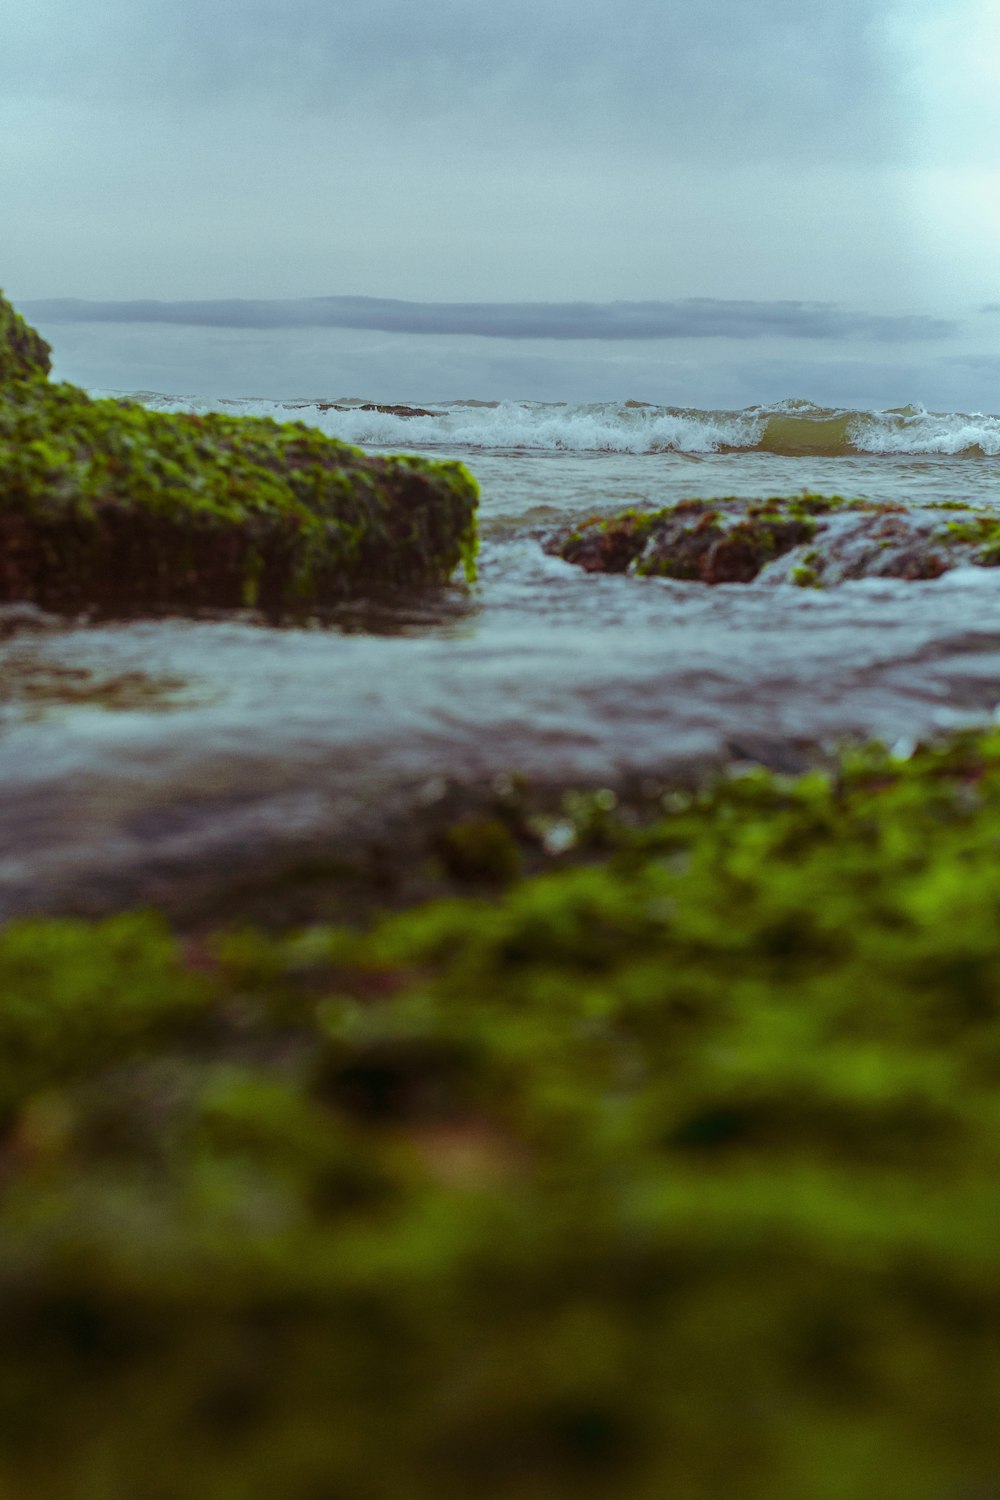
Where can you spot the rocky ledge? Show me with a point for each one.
(105, 505)
(809, 540)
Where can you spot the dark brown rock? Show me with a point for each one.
(808, 540)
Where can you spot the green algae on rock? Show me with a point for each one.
(24, 354)
(674, 1175)
(106, 505)
(809, 540)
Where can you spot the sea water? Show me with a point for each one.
(132, 754)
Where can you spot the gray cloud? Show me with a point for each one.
(696, 317)
(696, 77)
(496, 161)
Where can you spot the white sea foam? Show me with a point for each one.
(791, 426)
(948, 433)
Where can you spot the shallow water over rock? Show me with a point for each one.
(137, 756)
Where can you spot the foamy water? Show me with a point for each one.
(271, 739)
(790, 427)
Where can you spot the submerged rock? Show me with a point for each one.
(106, 505)
(810, 540)
(389, 411)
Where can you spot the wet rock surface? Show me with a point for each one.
(809, 540)
(107, 506)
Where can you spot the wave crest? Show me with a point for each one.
(793, 427)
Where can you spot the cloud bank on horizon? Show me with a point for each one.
(570, 68)
(693, 317)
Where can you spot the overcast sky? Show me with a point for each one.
(842, 161)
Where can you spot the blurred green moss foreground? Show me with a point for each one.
(107, 506)
(672, 1175)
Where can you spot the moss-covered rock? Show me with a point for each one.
(810, 540)
(673, 1175)
(24, 354)
(106, 505)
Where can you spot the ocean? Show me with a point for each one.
(134, 753)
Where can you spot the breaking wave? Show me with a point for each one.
(794, 427)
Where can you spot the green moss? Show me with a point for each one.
(981, 532)
(718, 541)
(609, 545)
(72, 1000)
(104, 504)
(731, 540)
(24, 354)
(977, 529)
(810, 504)
(671, 1174)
